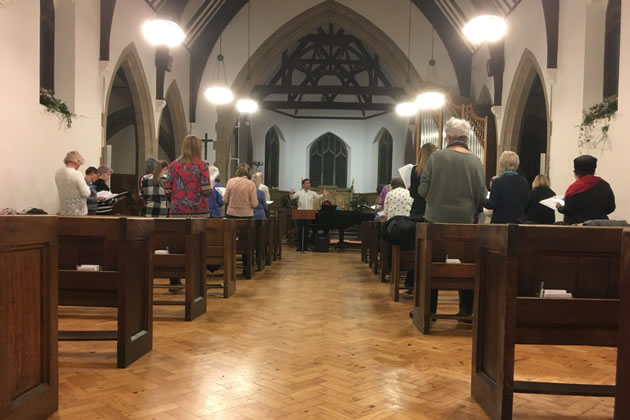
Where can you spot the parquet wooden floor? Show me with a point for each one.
(315, 336)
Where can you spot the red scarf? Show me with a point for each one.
(582, 184)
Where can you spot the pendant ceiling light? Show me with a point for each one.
(486, 28)
(219, 93)
(431, 97)
(407, 108)
(247, 105)
(163, 33)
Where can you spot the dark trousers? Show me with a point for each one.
(466, 301)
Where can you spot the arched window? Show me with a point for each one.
(46, 45)
(166, 137)
(328, 161)
(385, 146)
(272, 157)
(410, 148)
(611, 48)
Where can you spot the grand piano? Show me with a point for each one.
(328, 218)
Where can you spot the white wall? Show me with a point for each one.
(269, 15)
(359, 136)
(572, 88)
(35, 142)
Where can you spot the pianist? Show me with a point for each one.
(305, 199)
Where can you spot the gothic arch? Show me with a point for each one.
(391, 57)
(273, 138)
(146, 139)
(178, 115)
(385, 154)
(527, 70)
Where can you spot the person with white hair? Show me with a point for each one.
(263, 187)
(72, 189)
(215, 199)
(453, 185)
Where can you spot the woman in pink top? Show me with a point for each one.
(240, 194)
(241, 199)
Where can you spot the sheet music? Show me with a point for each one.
(405, 174)
(221, 190)
(108, 195)
(552, 201)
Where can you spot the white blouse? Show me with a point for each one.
(73, 192)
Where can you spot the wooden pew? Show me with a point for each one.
(622, 402)
(399, 260)
(261, 242)
(186, 242)
(221, 251)
(375, 239)
(513, 260)
(246, 243)
(434, 242)
(277, 233)
(123, 248)
(28, 318)
(365, 240)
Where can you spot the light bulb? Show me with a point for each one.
(246, 106)
(406, 109)
(485, 29)
(430, 100)
(160, 32)
(219, 95)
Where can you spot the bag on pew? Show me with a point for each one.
(605, 222)
(401, 230)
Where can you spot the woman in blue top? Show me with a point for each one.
(508, 193)
(260, 212)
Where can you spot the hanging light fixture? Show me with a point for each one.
(163, 33)
(407, 108)
(432, 97)
(485, 28)
(247, 105)
(219, 93)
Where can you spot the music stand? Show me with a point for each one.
(303, 215)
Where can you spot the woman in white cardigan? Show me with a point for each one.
(72, 188)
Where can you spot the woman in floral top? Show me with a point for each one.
(188, 182)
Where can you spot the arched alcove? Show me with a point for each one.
(47, 45)
(265, 58)
(526, 121)
(328, 161)
(136, 110)
(410, 147)
(177, 115)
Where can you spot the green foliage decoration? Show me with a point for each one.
(601, 113)
(56, 106)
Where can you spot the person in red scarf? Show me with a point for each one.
(589, 197)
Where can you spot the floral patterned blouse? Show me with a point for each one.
(189, 185)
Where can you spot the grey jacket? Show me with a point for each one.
(453, 184)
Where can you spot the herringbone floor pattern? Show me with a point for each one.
(315, 336)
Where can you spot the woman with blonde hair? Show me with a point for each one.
(419, 203)
(71, 187)
(534, 211)
(188, 182)
(508, 192)
(261, 210)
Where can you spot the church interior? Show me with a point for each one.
(342, 93)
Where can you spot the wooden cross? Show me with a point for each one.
(205, 141)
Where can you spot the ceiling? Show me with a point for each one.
(205, 20)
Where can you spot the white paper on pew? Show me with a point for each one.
(453, 261)
(221, 190)
(552, 201)
(556, 294)
(88, 267)
(405, 174)
(161, 252)
(269, 202)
